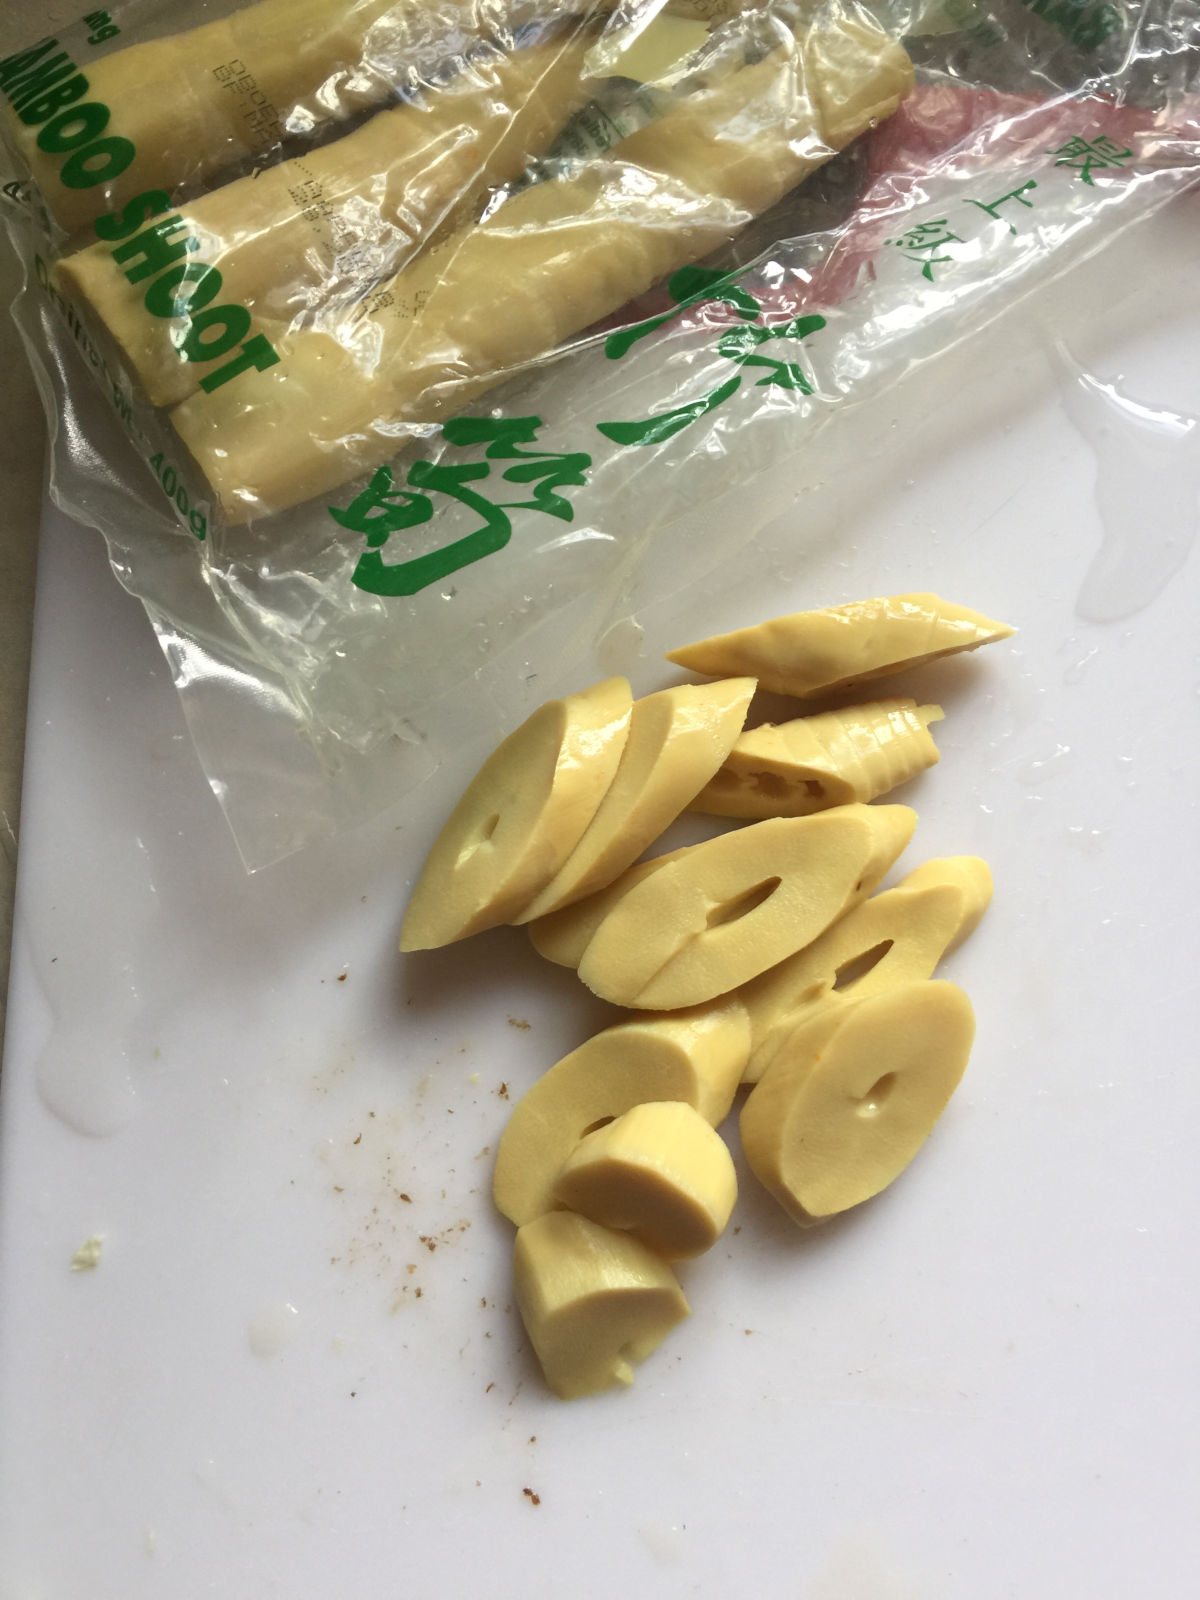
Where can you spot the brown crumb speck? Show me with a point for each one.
(407, 1198)
(533, 1438)
(418, 1292)
(519, 1022)
(534, 1499)
(430, 1244)
(502, 1091)
(359, 1139)
(489, 1388)
(342, 976)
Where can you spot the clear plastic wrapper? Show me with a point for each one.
(422, 325)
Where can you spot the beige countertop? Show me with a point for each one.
(22, 458)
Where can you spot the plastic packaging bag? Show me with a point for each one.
(430, 319)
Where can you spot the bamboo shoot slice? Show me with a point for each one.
(850, 1099)
(794, 769)
(724, 911)
(659, 1172)
(896, 937)
(562, 936)
(812, 653)
(696, 1056)
(677, 740)
(520, 817)
(594, 1302)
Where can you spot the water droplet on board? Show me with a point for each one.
(1053, 765)
(1074, 673)
(666, 1541)
(270, 1332)
(1147, 488)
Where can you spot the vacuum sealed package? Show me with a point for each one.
(384, 340)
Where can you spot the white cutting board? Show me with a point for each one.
(295, 1371)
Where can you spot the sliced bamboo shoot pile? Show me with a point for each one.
(812, 653)
(726, 910)
(896, 937)
(593, 1302)
(677, 740)
(794, 769)
(660, 1172)
(520, 817)
(853, 1094)
(695, 1056)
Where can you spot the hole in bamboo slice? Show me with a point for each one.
(775, 787)
(858, 966)
(742, 904)
(877, 1095)
(483, 837)
(593, 1127)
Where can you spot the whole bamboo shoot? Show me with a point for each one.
(545, 265)
(194, 102)
(312, 231)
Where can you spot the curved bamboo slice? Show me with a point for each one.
(794, 769)
(848, 1102)
(677, 740)
(819, 652)
(562, 936)
(594, 1302)
(520, 817)
(726, 910)
(659, 1172)
(895, 937)
(696, 1056)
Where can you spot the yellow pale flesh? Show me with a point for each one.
(563, 936)
(852, 1095)
(794, 769)
(896, 937)
(677, 740)
(696, 1056)
(520, 818)
(817, 652)
(594, 1302)
(660, 1172)
(307, 236)
(726, 910)
(546, 264)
